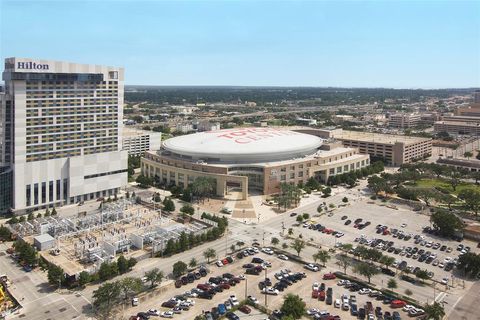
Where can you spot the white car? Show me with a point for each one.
(269, 290)
(219, 263)
(167, 314)
(407, 307)
(267, 251)
(338, 303)
(312, 311)
(282, 257)
(312, 267)
(339, 235)
(315, 286)
(233, 300)
(447, 260)
(154, 312)
(364, 291)
(403, 225)
(252, 299)
(241, 277)
(444, 280)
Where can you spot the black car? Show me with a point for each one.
(257, 260)
(361, 313)
(293, 214)
(348, 222)
(248, 265)
(253, 271)
(329, 300)
(407, 278)
(205, 295)
(443, 248)
(344, 217)
(388, 272)
(232, 316)
(143, 315)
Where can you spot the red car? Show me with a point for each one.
(321, 296)
(315, 294)
(245, 309)
(329, 276)
(398, 304)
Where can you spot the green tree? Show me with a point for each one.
(293, 306)
(392, 284)
(104, 296)
(299, 219)
(306, 216)
(434, 311)
(83, 278)
(455, 179)
(5, 233)
(209, 254)
(327, 192)
(446, 223)
(472, 199)
(131, 263)
(387, 261)
(274, 241)
(107, 270)
(122, 264)
(55, 275)
(130, 285)
(187, 209)
(30, 216)
(54, 211)
(365, 269)
(168, 205)
(468, 154)
(378, 184)
(144, 181)
(154, 276)
(193, 262)
(447, 199)
(298, 245)
(422, 274)
(321, 255)
(470, 264)
(344, 199)
(47, 212)
(408, 292)
(179, 268)
(344, 262)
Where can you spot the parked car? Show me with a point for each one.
(245, 309)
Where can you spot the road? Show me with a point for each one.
(466, 308)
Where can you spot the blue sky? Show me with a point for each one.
(400, 44)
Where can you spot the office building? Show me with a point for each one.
(136, 142)
(394, 149)
(404, 120)
(466, 128)
(244, 159)
(62, 132)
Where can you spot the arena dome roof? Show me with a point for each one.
(244, 145)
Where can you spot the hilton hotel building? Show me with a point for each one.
(60, 133)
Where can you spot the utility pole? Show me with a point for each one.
(266, 286)
(246, 281)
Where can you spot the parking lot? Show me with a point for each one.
(303, 286)
(406, 222)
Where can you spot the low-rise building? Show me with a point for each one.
(466, 164)
(184, 127)
(458, 127)
(137, 142)
(404, 120)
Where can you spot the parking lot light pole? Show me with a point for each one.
(266, 287)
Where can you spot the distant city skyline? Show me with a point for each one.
(394, 44)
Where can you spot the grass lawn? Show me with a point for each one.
(431, 183)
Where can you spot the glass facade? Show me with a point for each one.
(6, 189)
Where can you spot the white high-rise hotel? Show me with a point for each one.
(61, 136)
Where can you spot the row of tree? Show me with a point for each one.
(109, 293)
(187, 241)
(31, 216)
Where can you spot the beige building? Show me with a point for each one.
(395, 149)
(255, 159)
(136, 142)
(404, 120)
(469, 128)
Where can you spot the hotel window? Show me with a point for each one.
(300, 174)
(283, 169)
(44, 192)
(292, 168)
(58, 189)
(50, 191)
(292, 175)
(283, 177)
(332, 171)
(339, 170)
(28, 195)
(345, 167)
(35, 193)
(65, 189)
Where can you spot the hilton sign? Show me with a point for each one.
(32, 66)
